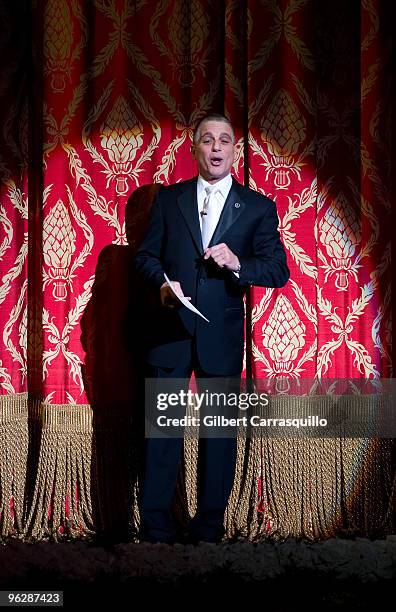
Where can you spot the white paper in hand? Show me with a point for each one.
(185, 302)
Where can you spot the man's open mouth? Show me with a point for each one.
(216, 161)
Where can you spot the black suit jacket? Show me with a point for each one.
(173, 244)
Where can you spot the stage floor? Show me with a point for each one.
(336, 574)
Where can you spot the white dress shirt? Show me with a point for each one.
(221, 190)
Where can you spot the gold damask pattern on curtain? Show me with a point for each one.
(115, 91)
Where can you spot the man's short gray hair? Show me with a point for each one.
(211, 117)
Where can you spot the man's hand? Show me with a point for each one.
(168, 297)
(223, 256)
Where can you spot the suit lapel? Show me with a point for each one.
(232, 209)
(187, 202)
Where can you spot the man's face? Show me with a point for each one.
(214, 151)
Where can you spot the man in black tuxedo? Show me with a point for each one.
(213, 238)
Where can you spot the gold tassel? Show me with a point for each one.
(116, 466)
(241, 519)
(313, 488)
(14, 438)
(63, 473)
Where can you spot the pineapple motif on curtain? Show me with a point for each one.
(117, 88)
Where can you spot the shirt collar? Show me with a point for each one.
(224, 185)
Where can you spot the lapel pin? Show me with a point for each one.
(237, 205)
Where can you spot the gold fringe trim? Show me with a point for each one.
(63, 417)
(241, 519)
(63, 473)
(115, 483)
(13, 408)
(14, 441)
(313, 488)
(67, 419)
(310, 487)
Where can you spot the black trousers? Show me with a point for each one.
(216, 469)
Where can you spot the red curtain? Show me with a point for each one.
(106, 107)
